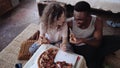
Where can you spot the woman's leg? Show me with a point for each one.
(34, 47)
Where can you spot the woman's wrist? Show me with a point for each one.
(63, 46)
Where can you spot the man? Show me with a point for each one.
(85, 32)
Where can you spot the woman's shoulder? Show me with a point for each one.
(42, 27)
(41, 23)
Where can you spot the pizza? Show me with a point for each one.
(63, 65)
(46, 60)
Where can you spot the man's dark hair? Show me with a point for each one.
(82, 6)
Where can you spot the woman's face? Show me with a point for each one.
(61, 20)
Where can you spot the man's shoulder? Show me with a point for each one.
(70, 19)
(93, 15)
(97, 17)
(99, 22)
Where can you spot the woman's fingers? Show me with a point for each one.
(63, 47)
(42, 40)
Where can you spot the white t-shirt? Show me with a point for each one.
(54, 34)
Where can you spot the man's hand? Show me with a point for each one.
(74, 40)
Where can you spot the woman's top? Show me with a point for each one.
(54, 34)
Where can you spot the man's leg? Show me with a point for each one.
(109, 45)
(88, 52)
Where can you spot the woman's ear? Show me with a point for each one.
(55, 20)
(58, 19)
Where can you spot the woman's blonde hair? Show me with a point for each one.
(51, 13)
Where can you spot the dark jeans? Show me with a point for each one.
(109, 45)
(95, 56)
(88, 52)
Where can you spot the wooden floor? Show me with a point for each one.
(16, 20)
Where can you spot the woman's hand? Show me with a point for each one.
(43, 40)
(63, 47)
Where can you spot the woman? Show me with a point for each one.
(53, 28)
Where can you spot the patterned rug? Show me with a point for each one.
(9, 55)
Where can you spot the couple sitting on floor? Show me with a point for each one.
(83, 30)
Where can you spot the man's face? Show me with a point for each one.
(80, 18)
